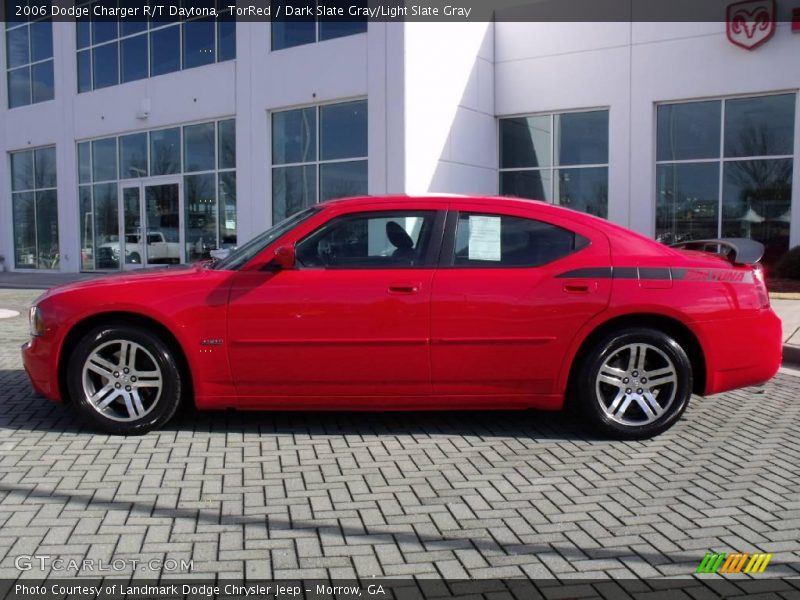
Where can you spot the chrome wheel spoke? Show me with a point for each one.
(661, 377)
(101, 366)
(101, 394)
(620, 412)
(651, 400)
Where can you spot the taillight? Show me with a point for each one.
(761, 286)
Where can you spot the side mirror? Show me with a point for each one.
(284, 258)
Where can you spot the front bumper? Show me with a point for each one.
(38, 359)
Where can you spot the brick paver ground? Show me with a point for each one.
(433, 495)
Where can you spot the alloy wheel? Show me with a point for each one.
(122, 380)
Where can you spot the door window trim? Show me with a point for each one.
(429, 261)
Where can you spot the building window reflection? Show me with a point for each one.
(318, 153)
(29, 59)
(724, 168)
(34, 200)
(560, 158)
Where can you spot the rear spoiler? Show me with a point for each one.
(740, 251)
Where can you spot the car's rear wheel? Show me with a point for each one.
(125, 380)
(634, 384)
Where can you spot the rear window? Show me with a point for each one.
(484, 240)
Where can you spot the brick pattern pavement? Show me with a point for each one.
(433, 495)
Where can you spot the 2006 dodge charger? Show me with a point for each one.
(402, 303)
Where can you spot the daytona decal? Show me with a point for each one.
(660, 273)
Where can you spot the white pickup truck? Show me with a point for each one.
(159, 250)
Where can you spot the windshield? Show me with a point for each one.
(242, 255)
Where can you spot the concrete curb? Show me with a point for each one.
(791, 355)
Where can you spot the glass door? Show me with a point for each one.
(163, 224)
(151, 223)
(132, 234)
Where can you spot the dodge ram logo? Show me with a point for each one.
(751, 23)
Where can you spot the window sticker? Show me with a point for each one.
(484, 238)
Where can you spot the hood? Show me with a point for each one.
(126, 278)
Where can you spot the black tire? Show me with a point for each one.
(135, 258)
(595, 399)
(152, 355)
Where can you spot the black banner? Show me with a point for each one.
(385, 10)
(396, 589)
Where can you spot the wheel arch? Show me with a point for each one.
(79, 329)
(666, 324)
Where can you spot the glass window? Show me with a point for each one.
(22, 170)
(165, 151)
(294, 136)
(226, 39)
(756, 202)
(227, 144)
(105, 66)
(165, 50)
(208, 218)
(84, 162)
(687, 201)
(343, 130)
(762, 126)
(42, 85)
(227, 209)
(329, 30)
(585, 190)
(342, 179)
(106, 226)
(307, 30)
(29, 61)
(198, 43)
(533, 148)
(18, 47)
(35, 209)
(342, 167)
(104, 159)
(505, 241)
(525, 142)
(133, 156)
(200, 201)
(198, 147)
(146, 49)
(689, 131)
(134, 58)
(744, 193)
(582, 138)
(374, 240)
(527, 184)
(293, 189)
(41, 40)
(84, 71)
(286, 34)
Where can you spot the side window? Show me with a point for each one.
(369, 240)
(503, 241)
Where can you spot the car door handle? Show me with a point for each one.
(578, 288)
(404, 288)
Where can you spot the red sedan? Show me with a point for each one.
(404, 303)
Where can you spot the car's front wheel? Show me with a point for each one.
(123, 379)
(634, 384)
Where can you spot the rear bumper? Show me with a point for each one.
(741, 352)
(37, 358)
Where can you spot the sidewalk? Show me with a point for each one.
(789, 312)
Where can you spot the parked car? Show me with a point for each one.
(158, 251)
(403, 303)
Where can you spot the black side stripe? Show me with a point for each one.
(658, 273)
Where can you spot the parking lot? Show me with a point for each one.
(452, 495)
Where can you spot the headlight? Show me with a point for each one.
(36, 321)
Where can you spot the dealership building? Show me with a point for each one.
(129, 144)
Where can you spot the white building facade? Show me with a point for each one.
(132, 147)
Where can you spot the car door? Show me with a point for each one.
(352, 319)
(502, 317)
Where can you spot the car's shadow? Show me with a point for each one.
(21, 409)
